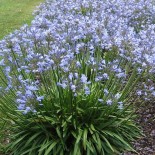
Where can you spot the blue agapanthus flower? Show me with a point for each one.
(70, 44)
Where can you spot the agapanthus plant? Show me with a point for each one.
(69, 78)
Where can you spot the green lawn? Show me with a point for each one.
(15, 13)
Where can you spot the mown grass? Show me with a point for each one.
(15, 13)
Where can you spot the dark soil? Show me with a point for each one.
(146, 119)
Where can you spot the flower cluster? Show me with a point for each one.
(78, 46)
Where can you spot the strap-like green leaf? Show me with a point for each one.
(47, 152)
(85, 134)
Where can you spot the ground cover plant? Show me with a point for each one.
(70, 80)
(15, 13)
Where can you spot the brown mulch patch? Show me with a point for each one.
(146, 119)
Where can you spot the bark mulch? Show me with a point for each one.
(146, 119)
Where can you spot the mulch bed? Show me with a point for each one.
(146, 119)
